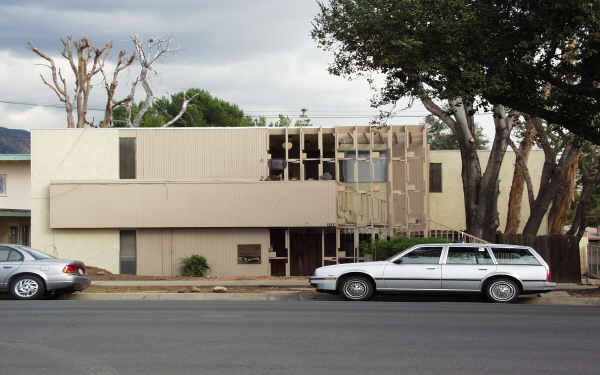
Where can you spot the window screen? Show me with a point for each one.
(128, 252)
(127, 158)
(424, 255)
(435, 177)
(514, 256)
(249, 254)
(468, 255)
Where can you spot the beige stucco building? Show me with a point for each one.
(15, 198)
(253, 201)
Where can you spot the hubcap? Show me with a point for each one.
(356, 289)
(26, 288)
(502, 291)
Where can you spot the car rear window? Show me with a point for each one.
(35, 253)
(514, 255)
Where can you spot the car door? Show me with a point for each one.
(465, 267)
(418, 269)
(10, 261)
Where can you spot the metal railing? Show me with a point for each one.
(593, 255)
(453, 235)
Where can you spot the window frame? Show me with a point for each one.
(254, 245)
(402, 255)
(487, 249)
(529, 250)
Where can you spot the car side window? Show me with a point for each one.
(422, 255)
(4, 252)
(15, 256)
(468, 255)
(514, 255)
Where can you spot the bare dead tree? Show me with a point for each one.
(148, 53)
(123, 63)
(85, 61)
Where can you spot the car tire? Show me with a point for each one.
(357, 288)
(27, 287)
(502, 290)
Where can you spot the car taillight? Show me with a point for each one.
(548, 276)
(73, 268)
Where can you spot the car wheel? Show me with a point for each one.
(502, 291)
(27, 287)
(357, 288)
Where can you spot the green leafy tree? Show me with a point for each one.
(441, 138)
(202, 110)
(470, 54)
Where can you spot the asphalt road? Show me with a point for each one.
(311, 337)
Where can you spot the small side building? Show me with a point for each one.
(15, 198)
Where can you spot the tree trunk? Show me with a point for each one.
(513, 217)
(480, 191)
(562, 201)
(553, 177)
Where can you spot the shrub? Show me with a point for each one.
(384, 249)
(195, 265)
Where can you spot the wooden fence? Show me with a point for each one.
(560, 252)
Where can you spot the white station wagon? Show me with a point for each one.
(501, 272)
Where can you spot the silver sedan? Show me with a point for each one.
(501, 272)
(30, 274)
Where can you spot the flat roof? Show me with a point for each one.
(232, 127)
(15, 157)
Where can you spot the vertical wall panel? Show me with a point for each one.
(201, 153)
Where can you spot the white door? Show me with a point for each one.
(466, 267)
(417, 270)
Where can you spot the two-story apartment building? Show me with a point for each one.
(253, 201)
(15, 202)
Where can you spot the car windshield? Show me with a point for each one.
(36, 254)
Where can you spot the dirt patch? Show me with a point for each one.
(592, 292)
(99, 274)
(188, 289)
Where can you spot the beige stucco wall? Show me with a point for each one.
(18, 185)
(161, 251)
(447, 207)
(192, 204)
(72, 154)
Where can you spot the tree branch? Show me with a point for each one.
(521, 160)
(181, 111)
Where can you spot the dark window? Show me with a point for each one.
(248, 254)
(127, 158)
(128, 252)
(514, 256)
(468, 255)
(423, 255)
(15, 256)
(435, 177)
(2, 184)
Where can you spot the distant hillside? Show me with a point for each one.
(14, 141)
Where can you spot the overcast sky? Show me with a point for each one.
(257, 54)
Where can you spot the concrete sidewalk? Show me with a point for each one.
(240, 283)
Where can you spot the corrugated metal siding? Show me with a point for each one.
(201, 153)
(161, 251)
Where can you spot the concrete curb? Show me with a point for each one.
(208, 283)
(159, 296)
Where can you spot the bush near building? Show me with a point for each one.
(195, 265)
